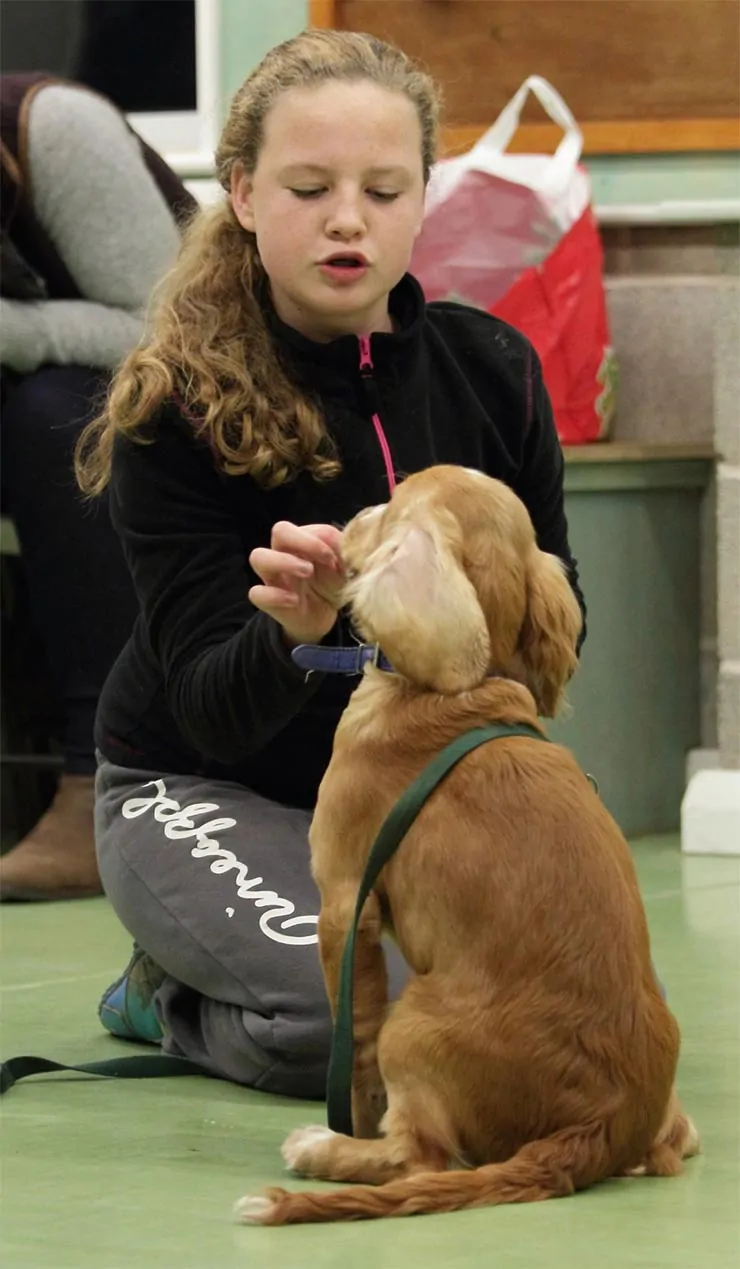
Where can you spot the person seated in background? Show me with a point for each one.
(90, 221)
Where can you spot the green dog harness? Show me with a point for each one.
(392, 833)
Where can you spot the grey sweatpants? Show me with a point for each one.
(214, 882)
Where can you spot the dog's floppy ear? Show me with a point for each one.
(550, 631)
(423, 610)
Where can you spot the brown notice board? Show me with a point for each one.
(639, 75)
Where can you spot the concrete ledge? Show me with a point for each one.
(638, 452)
(610, 466)
(710, 814)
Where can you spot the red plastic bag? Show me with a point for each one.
(514, 234)
(560, 306)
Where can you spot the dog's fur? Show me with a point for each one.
(531, 1050)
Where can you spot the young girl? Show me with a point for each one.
(293, 376)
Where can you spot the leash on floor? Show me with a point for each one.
(139, 1067)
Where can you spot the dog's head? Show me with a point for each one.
(448, 579)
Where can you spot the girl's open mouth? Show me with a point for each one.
(344, 268)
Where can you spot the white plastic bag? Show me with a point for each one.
(490, 214)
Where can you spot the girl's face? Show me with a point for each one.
(339, 178)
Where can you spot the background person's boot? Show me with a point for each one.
(56, 860)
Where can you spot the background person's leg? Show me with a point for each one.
(82, 602)
(214, 883)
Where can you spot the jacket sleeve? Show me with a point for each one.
(96, 198)
(100, 206)
(229, 680)
(540, 483)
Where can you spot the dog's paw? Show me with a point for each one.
(301, 1148)
(253, 1209)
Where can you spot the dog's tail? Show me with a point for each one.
(553, 1167)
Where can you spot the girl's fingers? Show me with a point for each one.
(270, 599)
(306, 544)
(270, 564)
(329, 535)
(301, 566)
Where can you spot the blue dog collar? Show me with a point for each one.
(315, 656)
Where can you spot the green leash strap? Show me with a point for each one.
(142, 1066)
(392, 833)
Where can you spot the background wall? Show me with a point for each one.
(248, 29)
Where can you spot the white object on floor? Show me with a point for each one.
(710, 814)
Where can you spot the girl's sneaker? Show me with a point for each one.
(127, 1007)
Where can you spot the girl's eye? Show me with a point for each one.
(381, 195)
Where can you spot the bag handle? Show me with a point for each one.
(500, 134)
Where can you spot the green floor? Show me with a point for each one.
(116, 1176)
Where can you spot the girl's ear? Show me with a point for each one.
(241, 197)
(415, 600)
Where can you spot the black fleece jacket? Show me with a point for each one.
(205, 684)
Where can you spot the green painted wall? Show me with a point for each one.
(635, 698)
(250, 27)
(654, 178)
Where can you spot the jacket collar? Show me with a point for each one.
(406, 305)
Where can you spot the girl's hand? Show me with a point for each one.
(302, 578)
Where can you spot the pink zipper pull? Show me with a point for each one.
(366, 359)
(366, 370)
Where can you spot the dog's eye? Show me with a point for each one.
(350, 574)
